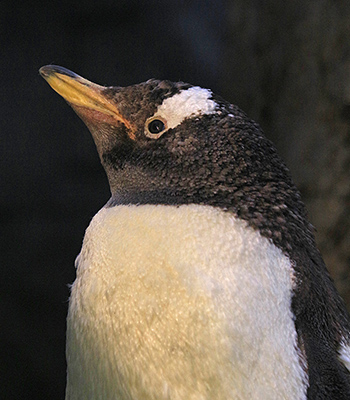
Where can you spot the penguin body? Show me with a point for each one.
(182, 315)
(200, 278)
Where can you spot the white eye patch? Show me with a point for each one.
(188, 103)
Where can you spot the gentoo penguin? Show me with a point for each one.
(200, 278)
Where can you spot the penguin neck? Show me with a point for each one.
(271, 208)
(153, 197)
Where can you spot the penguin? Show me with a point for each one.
(200, 277)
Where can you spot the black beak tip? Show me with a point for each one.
(49, 70)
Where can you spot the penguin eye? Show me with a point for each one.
(155, 127)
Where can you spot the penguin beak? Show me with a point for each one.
(86, 98)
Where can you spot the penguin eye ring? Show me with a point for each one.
(155, 127)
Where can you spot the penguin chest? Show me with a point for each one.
(181, 303)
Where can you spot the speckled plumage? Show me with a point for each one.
(223, 161)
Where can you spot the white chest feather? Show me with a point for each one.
(180, 303)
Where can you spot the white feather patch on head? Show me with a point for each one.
(344, 355)
(191, 102)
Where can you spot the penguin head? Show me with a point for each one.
(171, 141)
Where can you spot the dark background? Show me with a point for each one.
(286, 63)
